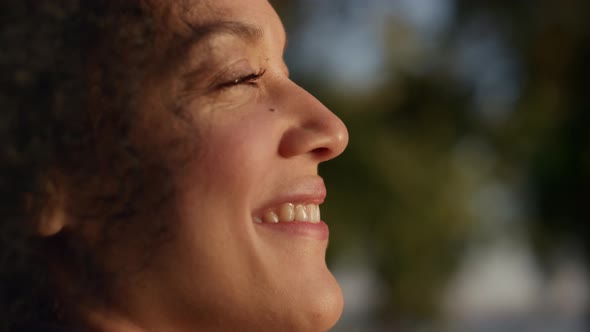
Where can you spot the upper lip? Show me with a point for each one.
(308, 190)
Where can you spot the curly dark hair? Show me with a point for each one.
(71, 72)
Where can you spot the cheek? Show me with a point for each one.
(236, 150)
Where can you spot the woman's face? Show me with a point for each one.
(257, 140)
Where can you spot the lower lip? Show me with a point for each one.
(318, 231)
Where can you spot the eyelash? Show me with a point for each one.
(250, 79)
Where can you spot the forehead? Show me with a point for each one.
(180, 15)
(183, 22)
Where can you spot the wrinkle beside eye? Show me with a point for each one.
(192, 84)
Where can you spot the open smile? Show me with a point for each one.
(290, 212)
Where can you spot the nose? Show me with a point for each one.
(315, 130)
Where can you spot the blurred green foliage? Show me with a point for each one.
(402, 193)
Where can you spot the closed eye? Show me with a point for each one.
(250, 79)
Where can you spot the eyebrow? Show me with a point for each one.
(199, 34)
(238, 29)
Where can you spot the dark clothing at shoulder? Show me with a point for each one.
(45, 328)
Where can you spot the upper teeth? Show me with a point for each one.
(289, 212)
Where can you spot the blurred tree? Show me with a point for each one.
(511, 74)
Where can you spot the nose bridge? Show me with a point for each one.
(315, 130)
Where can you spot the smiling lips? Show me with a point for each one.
(289, 212)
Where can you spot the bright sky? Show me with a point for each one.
(344, 39)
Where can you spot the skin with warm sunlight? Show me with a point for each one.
(246, 246)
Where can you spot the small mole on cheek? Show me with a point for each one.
(272, 109)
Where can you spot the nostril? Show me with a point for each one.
(321, 152)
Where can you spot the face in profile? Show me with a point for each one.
(247, 246)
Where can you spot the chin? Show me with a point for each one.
(327, 312)
(322, 310)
